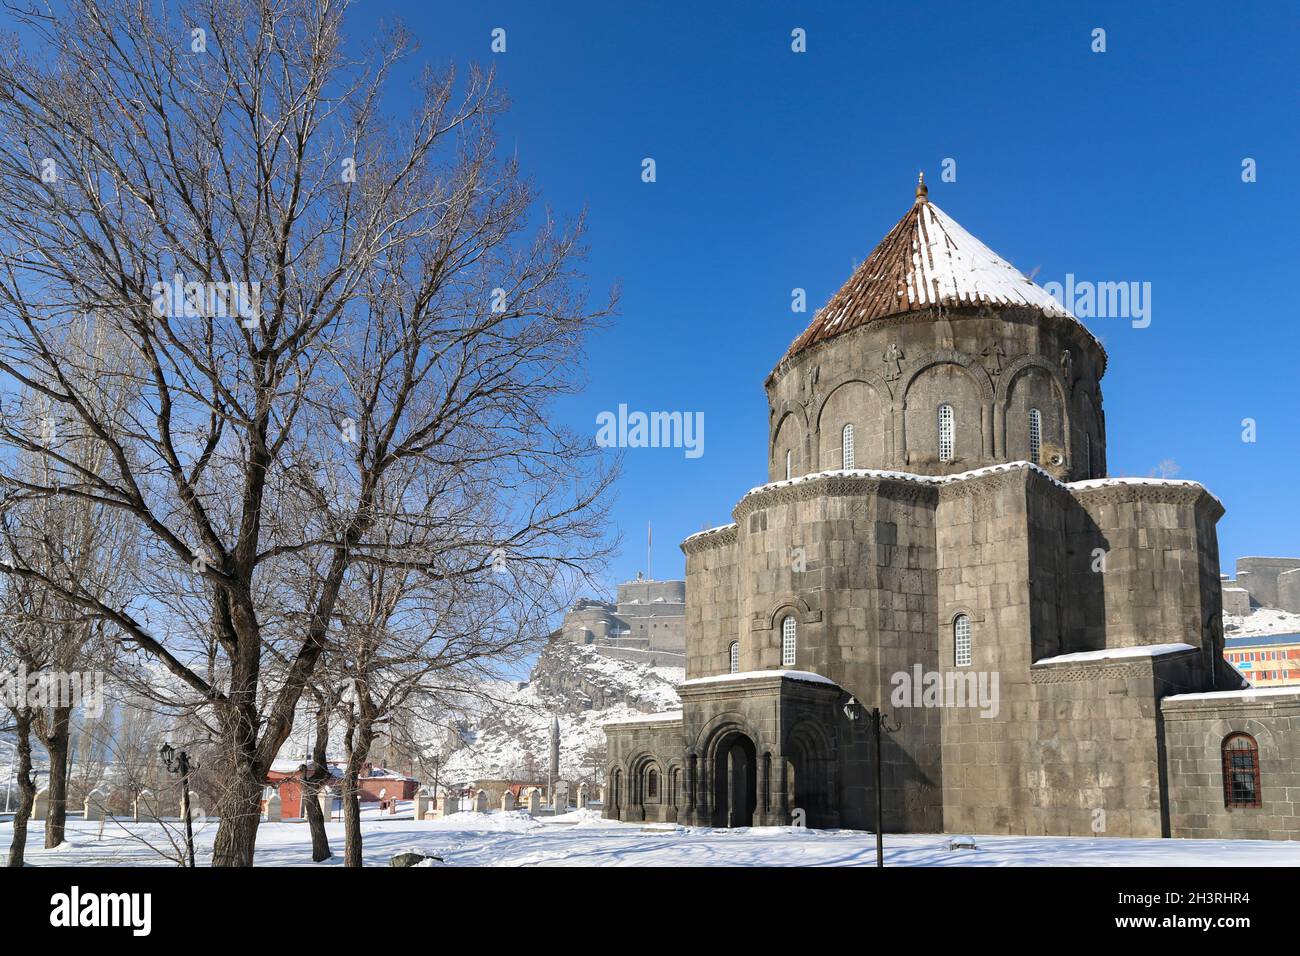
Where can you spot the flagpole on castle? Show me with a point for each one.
(649, 553)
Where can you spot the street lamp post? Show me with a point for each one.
(179, 762)
(878, 721)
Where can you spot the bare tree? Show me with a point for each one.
(311, 293)
(15, 602)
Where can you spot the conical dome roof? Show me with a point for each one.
(926, 260)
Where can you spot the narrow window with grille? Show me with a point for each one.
(947, 432)
(961, 640)
(788, 642)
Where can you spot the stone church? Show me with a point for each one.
(938, 538)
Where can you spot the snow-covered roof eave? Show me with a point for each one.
(806, 676)
(666, 717)
(1115, 653)
(1088, 484)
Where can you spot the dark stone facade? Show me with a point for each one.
(1053, 609)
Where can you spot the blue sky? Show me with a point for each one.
(778, 170)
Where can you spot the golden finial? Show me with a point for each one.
(922, 193)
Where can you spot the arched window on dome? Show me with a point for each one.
(789, 463)
(1035, 436)
(846, 444)
(788, 627)
(961, 640)
(947, 432)
(1087, 455)
(1240, 771)
(733, 657)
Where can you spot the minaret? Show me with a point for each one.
(555, 754)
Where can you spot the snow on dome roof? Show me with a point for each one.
(926, 260)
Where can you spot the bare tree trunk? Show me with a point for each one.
(26, 790)
(56, 744)
(317, 774)
(351, 820)
(239, 809)
(359, 738)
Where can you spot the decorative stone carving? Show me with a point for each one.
(893, 359)
(993, 356)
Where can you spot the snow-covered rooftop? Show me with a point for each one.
(1111, 653)
(645, 718)
(927, 259)
(1246, 693)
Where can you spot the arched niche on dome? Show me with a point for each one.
(1034, 386)
(857, 403)
(787, 439)
(944, 383)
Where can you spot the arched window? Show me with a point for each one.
(652, 785)
(846, 444)
(961, 640)
(787, 641)
(946, 432)
(1035, 436)
(1240, 771)
(733, 657)
(1087, 455)
(789, 463)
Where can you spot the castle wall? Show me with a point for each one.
(1288, 591)
(1262, 575)
(1195, 727)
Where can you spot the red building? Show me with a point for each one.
(376, 784)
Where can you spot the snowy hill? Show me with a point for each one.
(579, 686)
(1261, 622)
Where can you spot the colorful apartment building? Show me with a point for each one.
(1268, 661)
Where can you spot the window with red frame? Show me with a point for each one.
(1240, 771)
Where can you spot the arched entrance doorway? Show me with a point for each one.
(735, 781)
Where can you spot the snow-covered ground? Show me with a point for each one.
(583, 839)
(1261, 622)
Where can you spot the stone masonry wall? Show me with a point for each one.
(1194, 731)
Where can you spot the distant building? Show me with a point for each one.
(1269, 661)
(376, 784)
(646, 624)
(1263, 582)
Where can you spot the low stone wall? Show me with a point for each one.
(639, 655)
(1195, 726)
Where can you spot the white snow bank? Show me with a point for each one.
(1109, 653)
